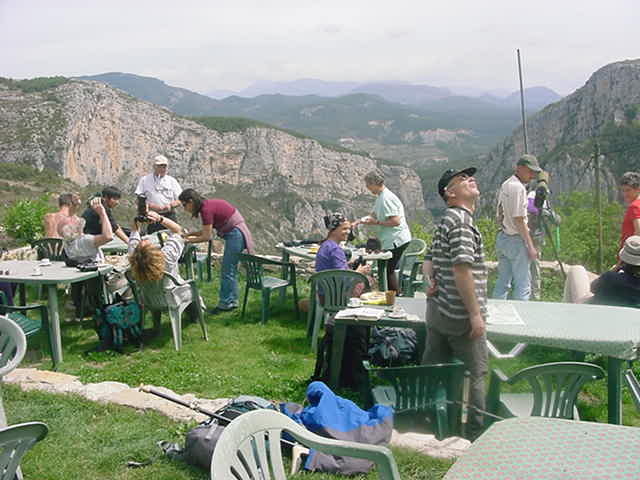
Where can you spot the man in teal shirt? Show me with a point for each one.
(388, 215)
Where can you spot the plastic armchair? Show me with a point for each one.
(15, 441)
(13, 346)
(257, 280)
(335, 287)
(409, 266)
(172, 296)
(250, 448)
(555, 388)
(424, 391)
(19, 314)
(51, 248)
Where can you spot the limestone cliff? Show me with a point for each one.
(283, 184)
(562, 134)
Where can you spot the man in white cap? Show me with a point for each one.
(161, 190)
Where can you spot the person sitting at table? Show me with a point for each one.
(82, 247)
(619, 287)
(68, 204)
(331, 257)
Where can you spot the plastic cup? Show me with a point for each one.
(390, 297)
(37, 271)
(45, 261)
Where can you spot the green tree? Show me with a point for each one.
(23, 219)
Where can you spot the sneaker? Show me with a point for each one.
(217, 310)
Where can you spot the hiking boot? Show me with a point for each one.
(217, 310)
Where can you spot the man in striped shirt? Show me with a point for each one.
(457, 306)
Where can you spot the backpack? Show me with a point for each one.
(117, 321)
(201, 440)
(392, 346)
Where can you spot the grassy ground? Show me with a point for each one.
(89, 440)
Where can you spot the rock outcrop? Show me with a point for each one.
(559, 134)
(283, 184)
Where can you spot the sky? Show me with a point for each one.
(220, 44)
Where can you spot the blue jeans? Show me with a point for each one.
(513, 268)
(233, 246)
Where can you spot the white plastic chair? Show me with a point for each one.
(13, 345)
(250, 448)
(15, 441)
(173, 296)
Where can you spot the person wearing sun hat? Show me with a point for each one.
(615, 287)
(457, 302)
(162, 191)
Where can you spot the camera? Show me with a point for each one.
(141, 205)
(93, 197)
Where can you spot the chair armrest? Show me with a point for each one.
(175, 280)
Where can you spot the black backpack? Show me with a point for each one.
(392, 346)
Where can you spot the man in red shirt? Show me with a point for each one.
(630, 187)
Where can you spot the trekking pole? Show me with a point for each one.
(193, 406)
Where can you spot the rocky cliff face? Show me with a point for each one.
(561, 133)
(283, 184)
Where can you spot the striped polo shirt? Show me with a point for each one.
(457, 240)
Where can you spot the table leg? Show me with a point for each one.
(54, 325)
(614, 384)
(382, 275)
(337, 350)
(285, 274)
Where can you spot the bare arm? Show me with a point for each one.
(636, 226)
(463, 276)
(165, 222)
(121, 235)
(203, 236)
(107, 233)
(523, 230)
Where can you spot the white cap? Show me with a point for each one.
(160, 160)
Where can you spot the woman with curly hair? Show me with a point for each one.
(148, 261)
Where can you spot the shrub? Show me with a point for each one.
(23, 220)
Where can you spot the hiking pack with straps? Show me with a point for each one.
(117, 321)
(392, 346)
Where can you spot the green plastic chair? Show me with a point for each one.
(172, 296)
(19, 314)
(409, 266)
(257, 280)
(250, 448)
(432, 392)
(15, 441)
(336, 287)
(203, 262)
(555, 388)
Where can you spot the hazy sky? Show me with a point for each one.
(220, 44)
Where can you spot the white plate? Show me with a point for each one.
(41, 264)
(34, 274)
(397, 315)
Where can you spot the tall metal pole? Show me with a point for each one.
(524, 117)
(596, 162)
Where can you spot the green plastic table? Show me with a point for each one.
(610, 331)
(304, 252)
(528, 448)
(410, 305)
(21, 271)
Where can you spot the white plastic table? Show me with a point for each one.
(21, 271)
(605, 330)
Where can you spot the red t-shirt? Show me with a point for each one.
(216, 212)
(630, 215)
